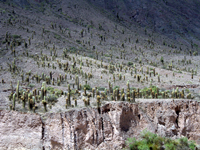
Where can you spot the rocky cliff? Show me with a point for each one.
(89, 129)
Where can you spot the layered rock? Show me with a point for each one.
(89, 129)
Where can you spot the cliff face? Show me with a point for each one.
(86, 128)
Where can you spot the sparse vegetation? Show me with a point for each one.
(60, 59)
(153, 141)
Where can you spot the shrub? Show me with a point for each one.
(151, 141)
(51, 98)
(101, 88)
(87, 87)
(130, 63)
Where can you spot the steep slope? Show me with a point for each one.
(179, 19)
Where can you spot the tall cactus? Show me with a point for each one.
(98, 103)
(44, 102)
(133, 96)
(68, 99)
(17, 90)
(13, 106)
(93, 92)
(23, 99)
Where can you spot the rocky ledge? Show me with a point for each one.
(108, 128)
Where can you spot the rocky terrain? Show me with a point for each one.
(88, 74)
(88, 129)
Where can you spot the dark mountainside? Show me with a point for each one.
(179, 19)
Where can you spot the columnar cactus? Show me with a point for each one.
(13, 106)
(77, 82)
(85, 93)
(98, 103)
(29, 101)
(158, 78)
(17, 90)
(147, 70)
(97, 92)
(23, 98)
(117, 94)
(114, 94)
(68, 99)
(128, 85)
(133, 95)
(42, 93)
(123, 97)
(44, 102)
(93, 92)
(75, 101)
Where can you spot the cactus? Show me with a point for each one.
(158, 78)
(120, 76)
(77, 82)
(68, 99)
(152, 94)
(122, 97)
(42, 93)
(44, 102)
(147, 70)
(98, 103)
(93, 92)
(128, 86)
(23, 98)
(85, 92)
(138, 78)
(75, 102)
(29, 101)
(13, 106)
(133, 93)
(97, 92)
(69, 90)
(85, 102)
(128, 96)
(114, 94)
(163, 94)
(88, 102)
(105, 92)
(17, 90)
(189, 96)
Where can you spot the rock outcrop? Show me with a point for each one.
(89, 129)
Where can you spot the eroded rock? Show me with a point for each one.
(88, 129)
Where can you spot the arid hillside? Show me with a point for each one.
(61, 57)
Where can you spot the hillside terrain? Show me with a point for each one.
(60, 56)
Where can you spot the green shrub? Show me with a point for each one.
(87, 87)
(151, 141)
(130, 63)
(101, 88)
(51, 98)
